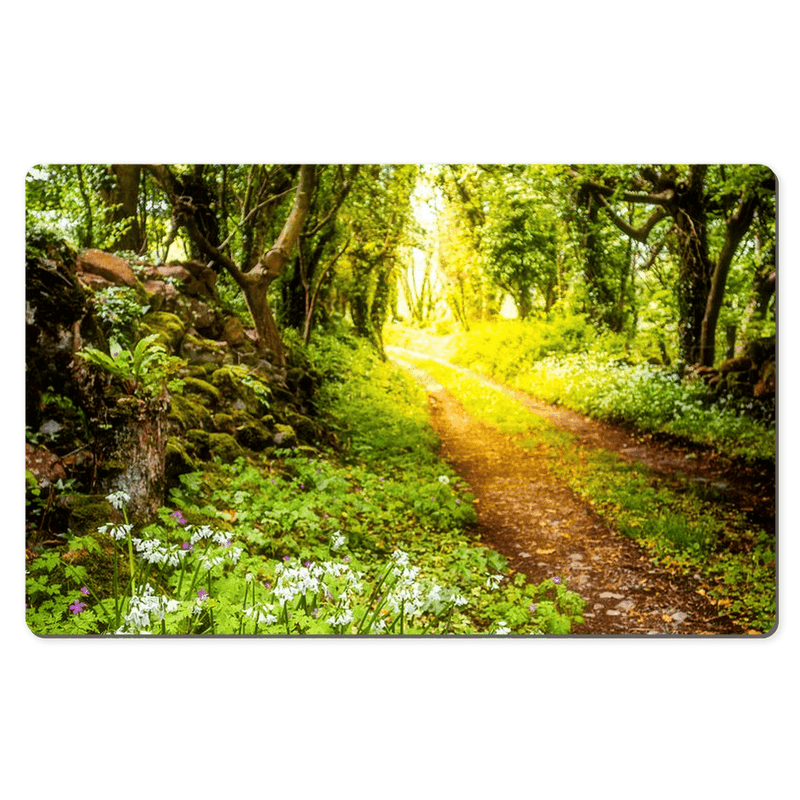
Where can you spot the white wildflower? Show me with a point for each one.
(118, 532)
(118, 499)
(338, 540)
(444, 479)
(343, 617)
(502, 629)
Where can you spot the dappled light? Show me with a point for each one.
(323, 400)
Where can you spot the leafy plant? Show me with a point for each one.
(143, 370)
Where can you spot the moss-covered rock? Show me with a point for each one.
(224, 447)
(207, 392)
(189, 412)
(87, 512)
(177, 460)
(168, 327)
(224, 423)
(254, 436)
(284, 436)
(198, 442)
(197, 350)
(241, 390)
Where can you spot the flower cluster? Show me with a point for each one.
(146, 608)
(119, 531)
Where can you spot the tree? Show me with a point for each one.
(705, 213)
(255, 281)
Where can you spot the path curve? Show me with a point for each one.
(545, 530)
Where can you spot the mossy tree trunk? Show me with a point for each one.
(135, 442)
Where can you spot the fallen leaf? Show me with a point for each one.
(545, 551)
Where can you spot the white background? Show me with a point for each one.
(424, 83)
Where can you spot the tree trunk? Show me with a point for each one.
(136, 444)
(125, 199)
(694, 280)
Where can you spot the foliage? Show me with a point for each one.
(120, 308)
(145, 370)
(374, 540)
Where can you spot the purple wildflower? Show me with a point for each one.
(532, 608)
(346, 559)
(202, 593)
(557, 579)
(178, 516)
(187, 546)
(84, 590)
(77, 607)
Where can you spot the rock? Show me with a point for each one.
(50, 427)
(188, 412)
(197, 350)
(170, 271)
(169, 327)
(626, 605)
(611, 596)
(612, 613)
(199, 315)
(177, 460)
(254, 436)
(233, 332)
(205, 390)
(224, 447)
(108, 266)
(45, 466)
(284, 436)
(679, 616)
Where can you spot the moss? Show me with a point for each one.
(198, 441)
(176, 460)
(87, 512)
(168, 327)
(306, 428)
(230, 380)
(224, 423)
(204, 389)
(197, 350)
(225, 447)
(285, 436)
(189, 412)
(254, 436)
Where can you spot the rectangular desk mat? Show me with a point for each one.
(401, 400)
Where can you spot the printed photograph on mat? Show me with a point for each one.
(403, 400)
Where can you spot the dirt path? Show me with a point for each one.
(545, 530)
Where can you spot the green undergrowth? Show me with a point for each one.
(675, 523)
(373, 536)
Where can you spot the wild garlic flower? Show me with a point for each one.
(145, 608)
(444, 479)
(118, 531)
(502, 629)
(343, 617)
(493, 581)
(338, 540)
(118, 499)
(154, 552)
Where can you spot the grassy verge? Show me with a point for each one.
(564, 362)
(675, 523)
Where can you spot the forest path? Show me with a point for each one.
(545, 530)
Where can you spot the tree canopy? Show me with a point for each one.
(681, 255)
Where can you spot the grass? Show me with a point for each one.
(562, 361)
